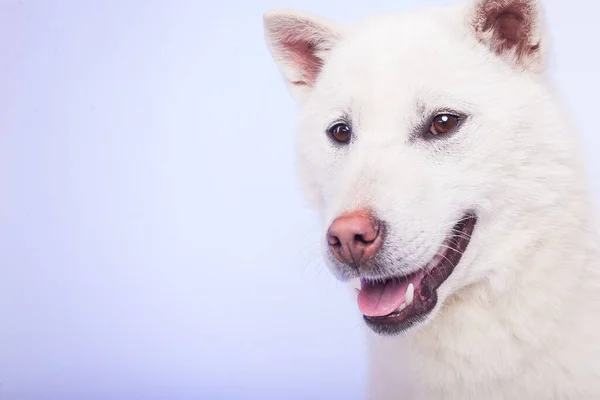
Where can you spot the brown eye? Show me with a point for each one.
(341, 133)
(443, 123)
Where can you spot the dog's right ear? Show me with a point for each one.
(300, 44)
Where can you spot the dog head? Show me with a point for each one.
(423, 137)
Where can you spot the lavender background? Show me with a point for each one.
(153, 241)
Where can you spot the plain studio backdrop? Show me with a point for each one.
(153, 240)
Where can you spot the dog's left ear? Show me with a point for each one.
(512, 29)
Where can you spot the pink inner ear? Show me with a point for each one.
(510, 31)
(510, 27)
(302, 53)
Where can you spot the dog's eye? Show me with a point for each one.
(340, 132)
(443, 123)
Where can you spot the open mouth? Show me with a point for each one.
(395, 304)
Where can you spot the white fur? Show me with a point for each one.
(520, 316)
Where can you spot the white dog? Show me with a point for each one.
(450, 183)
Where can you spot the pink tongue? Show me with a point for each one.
(380, 299)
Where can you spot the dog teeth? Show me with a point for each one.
(355, 283)
(410, 292)
(402, 307)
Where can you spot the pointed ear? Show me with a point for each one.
(300, 44)
(513, 29)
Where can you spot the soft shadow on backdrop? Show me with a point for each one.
(153, 241)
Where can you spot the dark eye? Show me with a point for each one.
(340, 132)
(443, 123)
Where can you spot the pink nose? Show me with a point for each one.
(354, 238)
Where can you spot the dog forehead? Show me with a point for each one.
(393, 56)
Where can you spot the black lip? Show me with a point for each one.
(426, 295)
